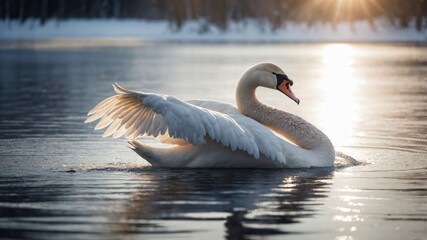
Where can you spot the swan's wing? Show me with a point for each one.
(216, 106)
(267, 142)
(136, 114)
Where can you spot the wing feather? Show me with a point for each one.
(104, 122)
(120, 132)
(101, 105)
(112, 128)
(135, 114)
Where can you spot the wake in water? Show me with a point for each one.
(341, 161)
(115, 166)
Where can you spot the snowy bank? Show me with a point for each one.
(248, 31)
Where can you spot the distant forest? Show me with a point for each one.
(276, 13)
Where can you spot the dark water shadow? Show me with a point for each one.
(253, 203)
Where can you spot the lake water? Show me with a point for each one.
(370, 99)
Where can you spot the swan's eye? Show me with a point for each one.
(281, 78)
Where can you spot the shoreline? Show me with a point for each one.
(237, 32)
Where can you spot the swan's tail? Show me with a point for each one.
(177, 156)
(145, 152)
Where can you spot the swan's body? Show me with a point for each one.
(213, 134)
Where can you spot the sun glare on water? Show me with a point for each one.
(338, 85)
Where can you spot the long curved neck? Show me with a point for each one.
(290, 126)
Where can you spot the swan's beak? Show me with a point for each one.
(285, 88)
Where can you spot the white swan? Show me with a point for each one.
(213, 134)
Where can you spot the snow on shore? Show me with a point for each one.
(249, 31)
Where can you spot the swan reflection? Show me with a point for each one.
(243, 203)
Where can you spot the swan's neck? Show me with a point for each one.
(290, 126)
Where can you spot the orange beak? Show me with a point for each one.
(285, 87)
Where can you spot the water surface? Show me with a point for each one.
(371, 99)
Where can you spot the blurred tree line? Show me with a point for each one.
(276, 13)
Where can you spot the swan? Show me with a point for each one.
(210, 134)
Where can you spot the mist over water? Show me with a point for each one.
(370, 99)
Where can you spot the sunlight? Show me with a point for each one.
(338, 85)
(338, 55)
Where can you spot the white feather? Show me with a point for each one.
(136, 114)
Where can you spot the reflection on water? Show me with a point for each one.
(376, 202)
(240, 204)
(246, 203)
(370, 99)
(338, 86)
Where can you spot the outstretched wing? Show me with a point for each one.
(134, 114)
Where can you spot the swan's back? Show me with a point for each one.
(268, 143)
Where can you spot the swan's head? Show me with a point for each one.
(271, 76)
